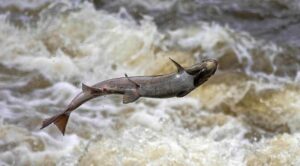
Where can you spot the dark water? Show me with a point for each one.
(272, 20)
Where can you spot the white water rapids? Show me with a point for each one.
(248, 113)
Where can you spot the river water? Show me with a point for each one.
(248, 113)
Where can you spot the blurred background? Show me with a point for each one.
(248, 113)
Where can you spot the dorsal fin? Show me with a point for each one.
(180, 69)
(89, 89)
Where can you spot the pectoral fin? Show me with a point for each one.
(183, 93)
(89, 89)
(130, 96)
(180, 69)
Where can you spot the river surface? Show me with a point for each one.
(248, 113)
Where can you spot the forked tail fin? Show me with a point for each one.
(59, 120)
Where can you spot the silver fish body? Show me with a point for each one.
(177, 84)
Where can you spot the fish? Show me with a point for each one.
(176, 84)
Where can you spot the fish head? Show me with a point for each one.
(202, 71)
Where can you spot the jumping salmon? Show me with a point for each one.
(177, 84)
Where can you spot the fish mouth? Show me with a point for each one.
(203, 71)
(211, 65)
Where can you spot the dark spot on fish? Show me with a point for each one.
(104, 89)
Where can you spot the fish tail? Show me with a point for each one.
(59, 120)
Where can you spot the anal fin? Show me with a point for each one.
(130, 96)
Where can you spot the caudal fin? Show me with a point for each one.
(59, 120)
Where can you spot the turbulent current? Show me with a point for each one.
(248, 113)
